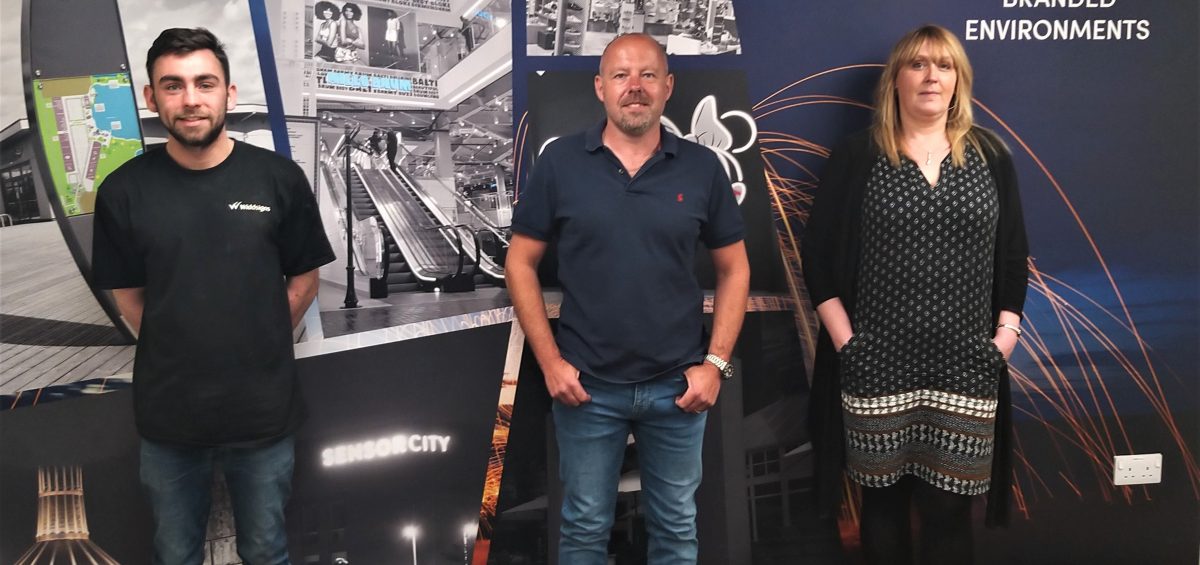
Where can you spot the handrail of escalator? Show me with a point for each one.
(360, 256)
(474, 210)
(486, 264)
(464, 201)
(336, 146)
(458, 229)
(459, 249)
(500, 251)
(437, 216)
(420, 262)
(337, 191)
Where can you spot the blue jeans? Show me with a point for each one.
(178, 480)
(591, 446)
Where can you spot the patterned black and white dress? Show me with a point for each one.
(920, 375)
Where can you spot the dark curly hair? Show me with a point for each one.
(352, 6)
(319, 10)
(181, 41)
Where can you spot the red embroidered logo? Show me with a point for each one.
(679, 197)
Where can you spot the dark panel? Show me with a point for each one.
(70, 39)
(81, 226)
(75, 38)
(445, 386)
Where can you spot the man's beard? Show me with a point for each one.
(634, 127)
(202, 141)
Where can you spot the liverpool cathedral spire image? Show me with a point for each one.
(62, 530)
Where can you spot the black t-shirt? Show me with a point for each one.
(214, 362)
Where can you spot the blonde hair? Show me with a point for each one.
(886, 129)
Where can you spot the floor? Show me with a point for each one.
(52, 329)
(402, 308)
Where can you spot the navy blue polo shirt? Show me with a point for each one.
(632, 308)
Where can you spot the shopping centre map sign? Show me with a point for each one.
(89, 127)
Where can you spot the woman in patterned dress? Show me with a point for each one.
(916, 259)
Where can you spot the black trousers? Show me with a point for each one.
(944, 528)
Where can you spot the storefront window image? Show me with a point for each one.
(584, 27)
(779, 496)
(20, 198)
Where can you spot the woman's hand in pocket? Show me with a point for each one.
(841, 344)
(1006, 341)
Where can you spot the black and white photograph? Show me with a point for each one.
(50, 314)
(338, 33)
(362, 34)
(394, 43)
(584, 27)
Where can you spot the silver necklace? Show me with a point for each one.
(928, 152)
(929, 155)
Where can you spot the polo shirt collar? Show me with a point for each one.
(593, 139)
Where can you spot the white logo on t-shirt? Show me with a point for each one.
(239, 205)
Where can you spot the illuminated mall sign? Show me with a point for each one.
(376, 83)
(347, 79)
(398, 445)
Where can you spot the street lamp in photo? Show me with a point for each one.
(411, 532)
(348, 146)
(469, 530)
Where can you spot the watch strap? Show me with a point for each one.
(722, 365)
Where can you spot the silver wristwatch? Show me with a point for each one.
(724, 366)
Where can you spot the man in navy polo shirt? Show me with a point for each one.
(627, 202)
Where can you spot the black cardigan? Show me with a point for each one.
(830, 255)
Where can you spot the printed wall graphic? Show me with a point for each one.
(354, 33)
(1107, 365)
(57, 445)
(438, 5)
(396, 42)
(397, 435)
(89, 127)
(303, 136)
(81, 107)
(408, 444)
(402, 442)
(1103, 368)
(62, 527)
(367, 48)
(584, 27)
(708, 130)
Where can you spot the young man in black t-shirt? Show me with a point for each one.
(211, 247)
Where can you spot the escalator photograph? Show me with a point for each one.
(417, 204)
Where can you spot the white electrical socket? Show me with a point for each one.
(1137, 469)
